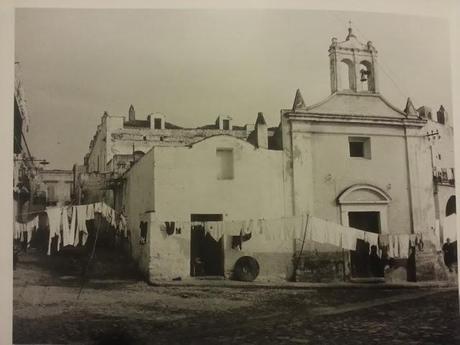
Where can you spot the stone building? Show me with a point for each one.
(26, 180)
(353, 159)
(58, 186)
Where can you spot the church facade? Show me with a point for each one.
(353, 160)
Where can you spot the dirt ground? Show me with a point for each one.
(116, 307)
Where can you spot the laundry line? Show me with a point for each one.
(306, 227)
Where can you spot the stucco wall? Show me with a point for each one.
(323, 169)
(186, 183)
(139, 200)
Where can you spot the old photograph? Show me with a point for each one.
(237, 176)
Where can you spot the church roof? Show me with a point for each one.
(354, 104)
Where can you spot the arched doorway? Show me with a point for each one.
(451, 206)
(450, 220)
(364, 207)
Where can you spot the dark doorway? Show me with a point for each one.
(206, 254)
(451, 208)
(361, 262)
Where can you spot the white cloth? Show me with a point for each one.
(81, 223)
(90, 211)
(349, 237)
(54, 221)
(318, 229)
(67, 232)
(73, 227)
(274, 229)
(333, 234)
(215, 229)
(98, 207)
(30, 227)
(403, 246)
(371, 238)
(113, 218)
(123, 225)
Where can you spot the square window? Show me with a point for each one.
(225, 164)
(360, 147)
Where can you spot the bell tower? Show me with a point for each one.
(353, 65)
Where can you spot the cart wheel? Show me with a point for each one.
(246, 269)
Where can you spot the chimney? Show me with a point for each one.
(442, 115)
(132, 113)
(261, 132)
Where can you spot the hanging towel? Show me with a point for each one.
(67, 232)
(318, 230)
(274, 229)
(383, 240)
(261, 227)
(73, 227)
(403, 246)
(30, 227)
(248, 227)
(349, 237)
(17, 231)
(54, 221)
(333, 234)
(90, 211)
(81, 223)
(215, 229)
(371, 238)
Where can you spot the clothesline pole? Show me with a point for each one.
(90, 258)
(296, 262)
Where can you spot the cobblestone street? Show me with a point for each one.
(49, 309)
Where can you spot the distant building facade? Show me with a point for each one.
(58, 186)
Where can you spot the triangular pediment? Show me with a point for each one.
(357, 104)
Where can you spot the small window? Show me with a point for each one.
(225, 164)
(360, 147)
(226, 124)
(157, 124)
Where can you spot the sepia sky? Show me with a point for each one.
(193, 65)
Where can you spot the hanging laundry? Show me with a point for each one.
(123, 225)
(403, 241)
(81, 223)
(246, 233)
(68, 230)
(333, 234)
(293, 227)
(215, 229)
(73, 227)
(371, 238)
(98, 207)
(170, 227)
(233, 227)
(113, 218)
(17, 230)
(318, 230)
(90, 211)
(54, 221)
(383, 240)
(349, 238)
(412, 240)
(274, 229)
(261, 227)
